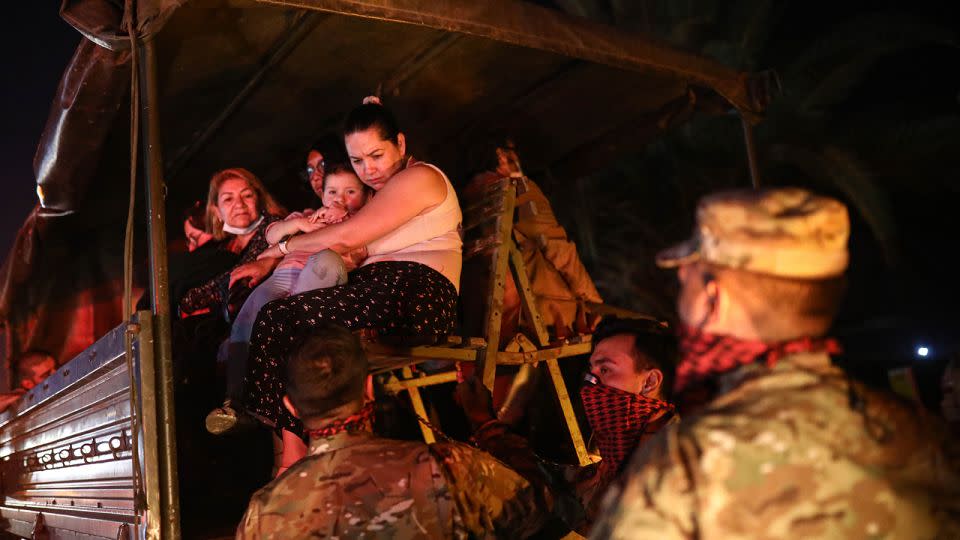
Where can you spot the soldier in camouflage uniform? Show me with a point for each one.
(787, 446)
(354, 484)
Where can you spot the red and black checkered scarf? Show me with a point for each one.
(705, 355)
(618, 419)
(360, 421)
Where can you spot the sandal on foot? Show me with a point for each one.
(228, 419)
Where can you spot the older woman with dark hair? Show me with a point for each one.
(238, 210)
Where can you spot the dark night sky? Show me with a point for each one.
(37, 45)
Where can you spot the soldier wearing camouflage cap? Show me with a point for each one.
(783, 445)
(354, 484)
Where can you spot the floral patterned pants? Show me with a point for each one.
(396, 298)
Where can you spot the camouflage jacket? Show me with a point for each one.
(791, 452)
(574, 493)
(359, 485)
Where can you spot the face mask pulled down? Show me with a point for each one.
(245, 230)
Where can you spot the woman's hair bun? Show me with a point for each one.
(372, 114)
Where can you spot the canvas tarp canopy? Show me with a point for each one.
(252, 84)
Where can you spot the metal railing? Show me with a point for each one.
(66, 448)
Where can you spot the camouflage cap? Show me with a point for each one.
(784, 232)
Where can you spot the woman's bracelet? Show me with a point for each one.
(282, 244)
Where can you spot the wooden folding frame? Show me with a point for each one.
(488, 230)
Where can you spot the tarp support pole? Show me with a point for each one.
(160, 294)
(751, 144)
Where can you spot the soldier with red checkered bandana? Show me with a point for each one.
(782, 444)
(624, 398)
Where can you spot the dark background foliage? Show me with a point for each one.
(870, 113)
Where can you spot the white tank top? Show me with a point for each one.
(432, 238)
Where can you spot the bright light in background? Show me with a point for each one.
(923, 352)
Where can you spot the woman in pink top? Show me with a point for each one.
(407, 285)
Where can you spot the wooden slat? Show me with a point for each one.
(527, 301)
(551, 353)
(487, 244)
(481, 214)
(422, 353)
(495, 291)
(398, 385)
(385, 364)
(417, 401)
(486, 196)
(560, 388)
(474, 343)
(488, 191)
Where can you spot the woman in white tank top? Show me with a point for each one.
(407, 285)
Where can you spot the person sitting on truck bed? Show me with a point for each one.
(238, 210)
(195, 227)
(194, 260)
(559, 281)
(356, 484)
(343, 195)
(31, 368)
(408, 285)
